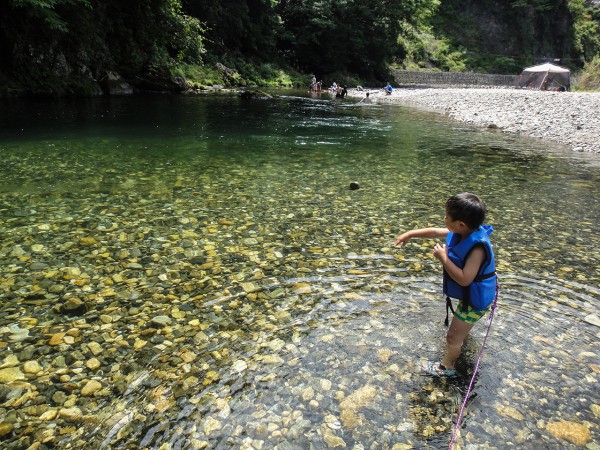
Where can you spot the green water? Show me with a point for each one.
(220, 286)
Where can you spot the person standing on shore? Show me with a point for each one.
(469, 271)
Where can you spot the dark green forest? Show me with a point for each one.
(65, 47)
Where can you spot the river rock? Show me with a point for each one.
(350, 405)
(95, 348)
(73, 305)
(161, 321)
(5, 428)
(113, 84)
(592, 319)
(93, 364)
(18, 334)
(32, 367)
(56, 339)
(10, 374)
(573, 432)
(332, 440)
(211, 425)
(71, 414)
(91, 388)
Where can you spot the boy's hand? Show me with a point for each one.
(402, 239)
(439, 251)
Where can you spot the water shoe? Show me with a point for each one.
(437, 369)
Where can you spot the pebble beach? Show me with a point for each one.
(570, 118)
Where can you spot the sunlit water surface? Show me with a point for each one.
(194, 272)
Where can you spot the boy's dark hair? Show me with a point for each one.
(467, 208)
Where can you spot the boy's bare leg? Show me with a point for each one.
(455, 337)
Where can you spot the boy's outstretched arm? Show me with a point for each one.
(429, 233)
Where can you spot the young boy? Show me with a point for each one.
(469, 271)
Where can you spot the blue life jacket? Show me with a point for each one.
(481, 292)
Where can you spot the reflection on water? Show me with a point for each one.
(193, 272)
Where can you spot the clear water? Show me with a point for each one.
(291, 322)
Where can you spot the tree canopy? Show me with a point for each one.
(75, 39)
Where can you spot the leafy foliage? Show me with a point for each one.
(63, 45)
(503, 37)
(356, 36)
(237, 27)
(53, 41)
(590, 77)
(586, 29)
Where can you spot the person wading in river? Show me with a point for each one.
(469, 271)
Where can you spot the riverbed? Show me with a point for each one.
(196, 272)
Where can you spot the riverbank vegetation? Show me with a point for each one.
(71, 47)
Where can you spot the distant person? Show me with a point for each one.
(469, 271)
(341, 92)
(367, 99)
(388, 89)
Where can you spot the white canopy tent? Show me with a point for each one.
(546, 77)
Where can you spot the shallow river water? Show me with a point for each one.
(187, 272)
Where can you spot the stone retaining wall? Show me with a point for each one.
(408, 77)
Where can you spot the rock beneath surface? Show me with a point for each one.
(91, 388)
(11, 374)
(573, 432)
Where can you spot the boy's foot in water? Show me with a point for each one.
(437, 369)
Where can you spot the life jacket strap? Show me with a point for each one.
(448, 306)
(485, 276)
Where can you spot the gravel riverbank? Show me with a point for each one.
(571, 118)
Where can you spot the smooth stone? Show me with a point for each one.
(72, 304)
(509, 411)
(18, 334)
(59, 397)
(332, 440)
(573, 432)
(49, 415)
(105, 318)
(73, 414)
(10, 361)
(93, 364)
(592, 319)
(5, 428)
(10, 374)
(211, 425)
(90, 388)
(161, 321)
(32, 367)
(56, 339)
(351, 404)
(95, 348)
(139, 343)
